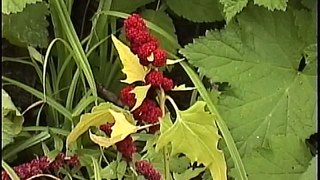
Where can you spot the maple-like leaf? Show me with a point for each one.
(286, 158)
(232, 7)
(131, 65)
(197, 11)
(272, 5)
(99, 115)
(259, 55)
(196, 138)
(140, 93)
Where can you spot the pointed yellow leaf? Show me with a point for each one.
(171, 61)
(120, 130)
(98, 116)
(140, 93)
(131, 65)
(182, 87)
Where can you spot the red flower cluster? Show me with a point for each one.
(142, 42)
(41, 165)
(146, 47)
(146, 169)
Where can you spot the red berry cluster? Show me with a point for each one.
(146, 169)
(146, 47)
(143, 43)
(41, 165)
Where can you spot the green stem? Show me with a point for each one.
(219, 120)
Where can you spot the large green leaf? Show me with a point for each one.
(197, 11)
(128, 7)
(11, 120)
(286, 159)
(311, 172)
(196, 138)
(28, 27)
(260, 56)
(14, 6)
(232, 7)
(165, 22)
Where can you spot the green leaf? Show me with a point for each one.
(272, 5)
(161, 19)
(12, 120)
(28, 27)
(306, 22)
(232, 7)
(14, 6)
(286, 158)
(179, 164)
(195, 10)
(128, 7)
(196, 138)
(109, 172)
(311, 172)
(268, 96)
(188, 174)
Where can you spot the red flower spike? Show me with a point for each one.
(154, 78)
(167, 84)
(135, 21)
(126, 97)
(137, 37)
(126, 147)
(106, 128)
(146, 169)
(160, 58)
(154, 129)
(145, 50)
(149, 112)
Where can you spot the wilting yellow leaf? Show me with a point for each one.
(98, 116)
(140, 93)
(182, 87)
(120, 130)
(131, 65)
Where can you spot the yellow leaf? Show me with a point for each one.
(131, 65)
(120, 130)
(140, 93)
(98, 116)
(170, 61)
(182, 87)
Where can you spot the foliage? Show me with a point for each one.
(28, 27)
(11, 120)
(107, 90)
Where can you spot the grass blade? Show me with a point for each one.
(9, 170)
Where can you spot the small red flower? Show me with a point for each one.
(167, 84)
(147, 170)
(145, 50)
(135, 21)
(106, 128)
(149, 112)
(160, 58)
(154, 78)
(126, 147)
(137, 37)
(127, 97)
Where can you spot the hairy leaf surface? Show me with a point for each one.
(14, 6)
(196, 138)
(260, 57)
(286, 158)
(28, 27)
(197, 11)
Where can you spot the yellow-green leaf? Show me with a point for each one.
(98, 116)
(140, 93)
(182, 87)
(120, 130)
(197, 139)
(131, 65)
